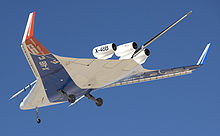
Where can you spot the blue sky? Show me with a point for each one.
(186, 105)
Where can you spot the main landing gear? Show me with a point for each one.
(98, 101)
(37, 116)
(71, 98)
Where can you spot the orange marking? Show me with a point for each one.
(35, 47)
(31, 27)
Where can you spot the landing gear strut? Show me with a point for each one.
(71, 98)
(38, 119)
(98, 101)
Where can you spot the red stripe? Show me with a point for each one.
(35, 47)
(31, 27)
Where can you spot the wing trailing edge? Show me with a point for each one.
(149, 75)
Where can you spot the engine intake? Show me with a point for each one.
(142, 56)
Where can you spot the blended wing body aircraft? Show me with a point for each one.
(63, 79)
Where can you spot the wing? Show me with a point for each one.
(149, 75)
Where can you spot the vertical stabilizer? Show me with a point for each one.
(32, 47)
(203, 57)
(29, 30)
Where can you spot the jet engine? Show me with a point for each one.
(142, 56)
(104, 51)
(125, 51)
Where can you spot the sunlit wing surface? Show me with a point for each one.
(95, 73)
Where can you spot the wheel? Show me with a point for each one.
(99, 102)
(38, 121)
(71, 98)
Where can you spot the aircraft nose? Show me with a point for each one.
(22, 105)
(26, 105)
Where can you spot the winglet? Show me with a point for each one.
(29, 30)
(204, 55)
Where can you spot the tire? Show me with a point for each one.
(99, 102)
(72, 98)
(38, 121)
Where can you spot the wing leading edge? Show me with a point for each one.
(149, 75)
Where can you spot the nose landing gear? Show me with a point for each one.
(37, 116)
(98, 101)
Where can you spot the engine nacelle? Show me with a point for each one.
(142, 56)
(125, 51)
(104, 51)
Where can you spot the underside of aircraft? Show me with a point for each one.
(63, 79)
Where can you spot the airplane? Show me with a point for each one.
(64, 79)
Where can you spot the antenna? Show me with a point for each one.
(157, 36)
